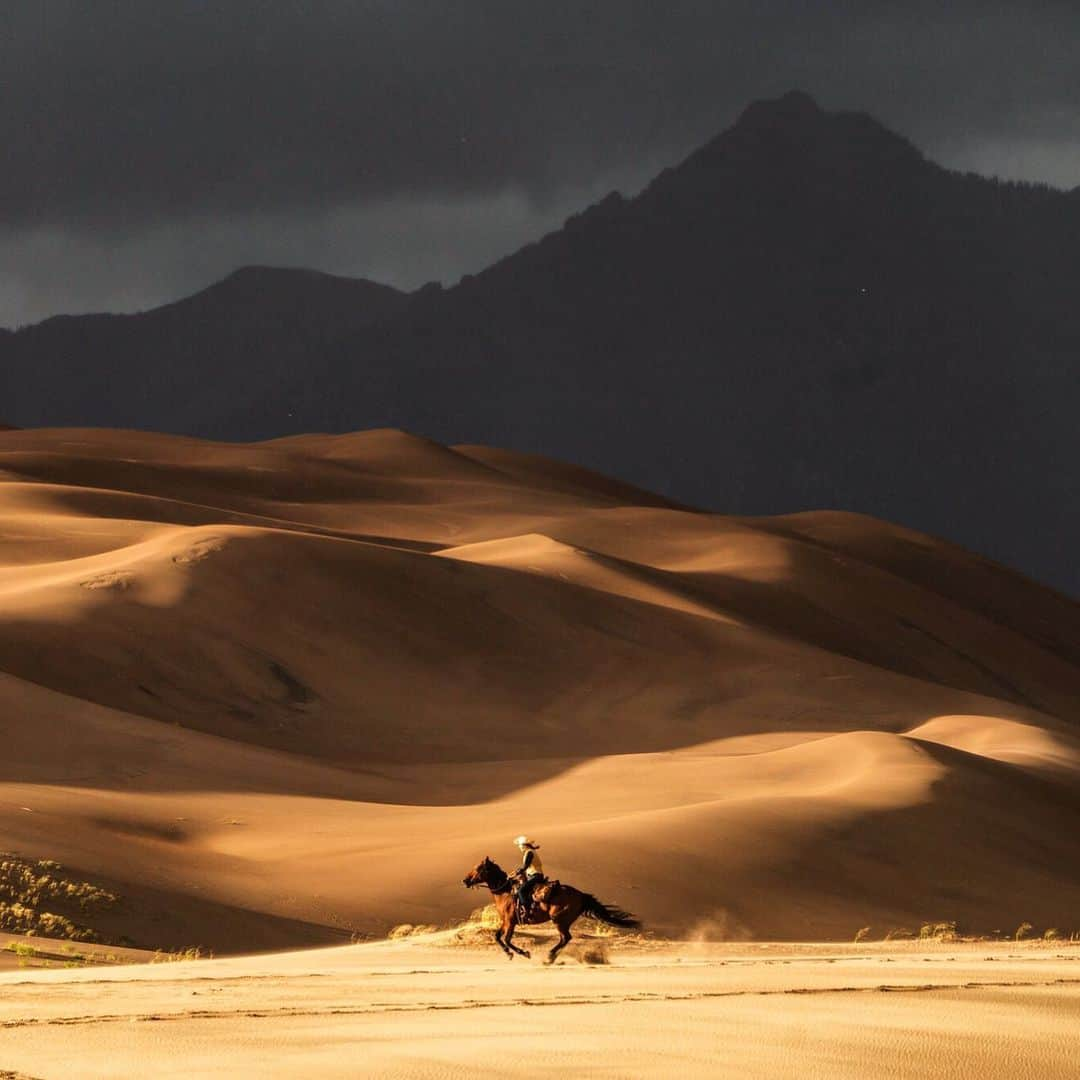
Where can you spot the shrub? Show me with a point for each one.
(1022, 931)
(192, 952)
(938, 931)
(486, 917)
(26, 887)
(862, 934)
(405, 930)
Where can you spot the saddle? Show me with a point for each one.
(546, 888)
(538, 894)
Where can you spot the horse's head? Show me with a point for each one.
(484, 873)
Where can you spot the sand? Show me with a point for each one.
(288, 693)
(421, 1008)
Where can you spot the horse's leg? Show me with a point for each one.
(563, 926)
(510, 940)
(505, 931)
(502, 944)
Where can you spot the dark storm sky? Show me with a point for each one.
(150, 146)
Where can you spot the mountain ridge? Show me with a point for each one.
(804, 312)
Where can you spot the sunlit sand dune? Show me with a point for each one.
(290, 692)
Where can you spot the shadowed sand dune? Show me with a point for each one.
(275, 693)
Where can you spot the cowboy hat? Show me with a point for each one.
(524, 841)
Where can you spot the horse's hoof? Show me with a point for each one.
(526, 954)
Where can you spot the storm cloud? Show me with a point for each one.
(151, 147)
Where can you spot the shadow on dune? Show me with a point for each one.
(993, 846)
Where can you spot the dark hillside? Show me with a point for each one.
(806, 312)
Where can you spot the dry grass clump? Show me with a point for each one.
(477, 928)
(947, 931)
(483, 918)
(27, 886)
(30, 956)
(192, 952)
(25, 953)
(18, 919)
(939, 931)
(406, 930)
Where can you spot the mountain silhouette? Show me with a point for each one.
(805, 313)
(185, 366)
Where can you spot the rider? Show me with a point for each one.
(530, 874)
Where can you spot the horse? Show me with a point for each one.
(552, 901)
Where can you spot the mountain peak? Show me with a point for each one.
(264, 270)
(257, 275)
(796, 107)
(290, 286)
(776, 140)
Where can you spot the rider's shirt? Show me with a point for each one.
(532, 865)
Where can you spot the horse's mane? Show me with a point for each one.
(500, 875)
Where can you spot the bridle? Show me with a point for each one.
(495, 890)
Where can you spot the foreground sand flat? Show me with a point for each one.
(418, 1008)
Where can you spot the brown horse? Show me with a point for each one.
(561, 904)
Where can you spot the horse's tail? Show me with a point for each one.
(613, 916)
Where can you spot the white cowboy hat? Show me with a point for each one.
(524, 841)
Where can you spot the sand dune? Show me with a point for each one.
(538, 554)
(284, 692)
